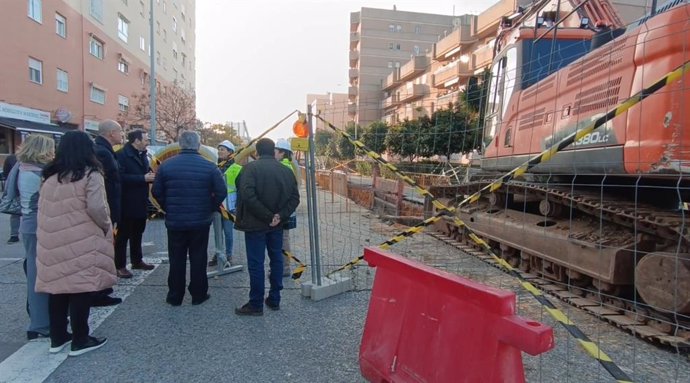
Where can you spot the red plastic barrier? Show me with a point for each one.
(426, 325)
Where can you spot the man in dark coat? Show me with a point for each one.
(267, 195)
(135, 176)
(189, 189)
(109, 134)
(7, 166)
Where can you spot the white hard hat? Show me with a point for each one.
(283, 144)
(227, 145)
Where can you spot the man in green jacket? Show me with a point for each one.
(267, 195)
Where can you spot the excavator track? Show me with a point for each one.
(594, 225)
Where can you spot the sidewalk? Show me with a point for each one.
(151, 341)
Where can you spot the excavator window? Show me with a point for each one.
(547, 56)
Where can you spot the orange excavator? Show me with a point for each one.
(606, 214)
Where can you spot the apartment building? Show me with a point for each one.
(68, 64)
(332, 107)
(425, 83)
(381, 40)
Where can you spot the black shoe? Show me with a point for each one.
(57, 346)
(213, 261)
(173, 302)
(249, 310)
(271, 305)
(200, 301)
(13, 239)
(107, 291)
(33, 335)
(92, 343)
(142, 266)
(104, 300)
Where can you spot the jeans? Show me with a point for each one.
(14, 224)
(228, 227)
(257, 243)
(218, 234)
(129, 230)
(181, 242)
(39, 318)
(78, 306)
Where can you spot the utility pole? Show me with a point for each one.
(152, 78)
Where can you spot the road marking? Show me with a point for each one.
(32, 362)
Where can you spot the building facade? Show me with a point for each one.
(77, 62)
(381, 40)
(332, 107)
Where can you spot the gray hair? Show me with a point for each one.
(189, 140)
(107, 126)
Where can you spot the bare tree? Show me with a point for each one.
(175, 111)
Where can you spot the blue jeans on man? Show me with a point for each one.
(257, 243)
(228, 227)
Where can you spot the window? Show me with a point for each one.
(415, 50)
(60, 25)
(390, 45)
(142, 43)
(174, 24)
(391, 28)
(36, 10)
(96, 48)
(97, 95)
(122, 103)
(96, 10)
(397, 64)
(122, 28)
(35, 71)
(390, 64)
(62, 81)
(123, 66)
(397, 47)
(398, 28)
(417, 29)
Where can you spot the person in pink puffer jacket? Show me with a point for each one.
(75, 241)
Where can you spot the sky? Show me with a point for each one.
(257, 60)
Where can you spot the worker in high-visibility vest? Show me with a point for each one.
(283, 153)
(230, 170)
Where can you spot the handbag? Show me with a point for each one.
(9, 203)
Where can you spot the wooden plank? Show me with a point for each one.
(565, 294)
(583, 302)
(551, 288)
(600, 310)
(645, 331)
(674, 341)
(623, 320)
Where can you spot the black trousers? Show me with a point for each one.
(181, 243)
(129, 230)
(78, 306)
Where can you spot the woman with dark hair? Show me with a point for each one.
(75, 241)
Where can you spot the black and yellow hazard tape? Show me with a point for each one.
(262, 135)
(297, 273)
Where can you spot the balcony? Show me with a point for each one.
(354, 57)
(354, 39)
(488, 21)
(457, 71)
(449, 98)
(392, 80)
(416, 66)
(482, 57)
(413, 92)
(390, 102)
(451, 44)
(352, 91)
(352, 109)
(354, 21)
(353, 73)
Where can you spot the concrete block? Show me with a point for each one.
(328, 288)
